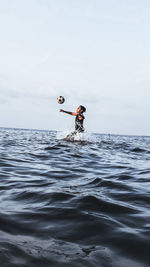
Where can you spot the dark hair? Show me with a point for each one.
(83, 108)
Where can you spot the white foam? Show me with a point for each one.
(62, 134)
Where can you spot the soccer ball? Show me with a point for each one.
(60, 100)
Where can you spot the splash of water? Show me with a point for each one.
(86, 137)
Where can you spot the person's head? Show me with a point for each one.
(81, 109)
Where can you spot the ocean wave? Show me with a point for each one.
(74, 203)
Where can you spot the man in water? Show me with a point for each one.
(78, 120)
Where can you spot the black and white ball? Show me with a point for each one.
(60, 100)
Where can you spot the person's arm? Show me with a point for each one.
(68, 112)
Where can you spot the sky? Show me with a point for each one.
(94, 53)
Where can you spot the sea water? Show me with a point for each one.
(74, 203)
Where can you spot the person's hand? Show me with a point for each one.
(61, 110)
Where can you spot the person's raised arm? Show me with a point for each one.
(68, 112)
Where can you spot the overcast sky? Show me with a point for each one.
(93, 52)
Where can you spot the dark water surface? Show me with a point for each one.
(74, 204)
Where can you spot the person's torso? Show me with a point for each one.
(79, 123)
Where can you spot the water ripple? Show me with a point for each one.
(74, 204)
